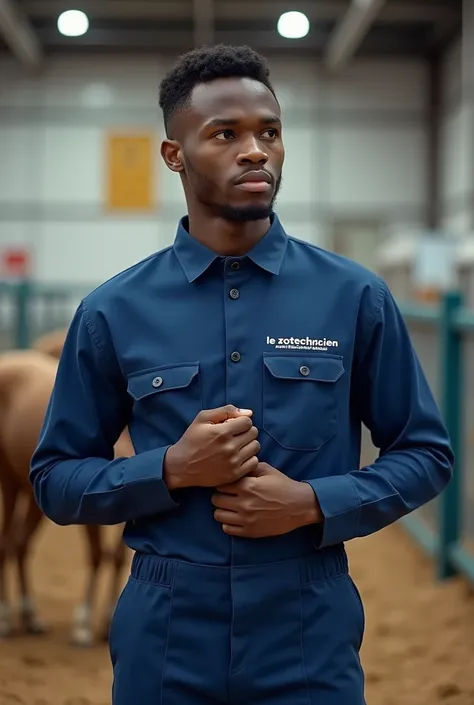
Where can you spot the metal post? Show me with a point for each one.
(451, 403)
(203, 11)
(22, 332)
(433, 197)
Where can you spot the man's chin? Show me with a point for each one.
(245, 214)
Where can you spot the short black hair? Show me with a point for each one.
(206, 64)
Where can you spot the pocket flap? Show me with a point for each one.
(161, 379)
(327, 368)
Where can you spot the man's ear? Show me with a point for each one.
(171, 153)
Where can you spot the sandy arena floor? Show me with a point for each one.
(419, 645)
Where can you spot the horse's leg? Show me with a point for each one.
(117, 557)
(29, 618)
(10, 492)
(83, 633)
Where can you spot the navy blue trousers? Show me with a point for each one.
(283, 633)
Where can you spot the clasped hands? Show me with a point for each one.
(252, 499)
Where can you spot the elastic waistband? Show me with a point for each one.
(322, 564)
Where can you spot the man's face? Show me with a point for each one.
(230, 148)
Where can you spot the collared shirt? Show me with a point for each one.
(312, 342)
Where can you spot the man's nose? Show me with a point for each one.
(253, 154)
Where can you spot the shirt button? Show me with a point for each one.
(157, 382)
(304, 370)
(235, 357)
(234, 293)
(235, 265)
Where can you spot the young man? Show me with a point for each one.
(243, 362)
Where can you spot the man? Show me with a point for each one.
(243, 362)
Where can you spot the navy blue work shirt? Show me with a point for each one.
(312, 342)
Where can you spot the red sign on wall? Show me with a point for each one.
(16, 262)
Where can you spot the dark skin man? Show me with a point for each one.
(227, 147)
(239, 590)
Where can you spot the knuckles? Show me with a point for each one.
(253, 462)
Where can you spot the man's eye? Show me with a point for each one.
(225, 134)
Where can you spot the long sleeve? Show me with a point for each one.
(74, 475)
(391, 396)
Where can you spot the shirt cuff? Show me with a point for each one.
(340, 505)
(144, 484)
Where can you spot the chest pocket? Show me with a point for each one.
(301, 398)
(166, 399)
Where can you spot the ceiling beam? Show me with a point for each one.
(203, 22)
(19, 35)
(350, 32)
(159, 41)
(322, 10)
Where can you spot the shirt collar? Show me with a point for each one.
(195, 258)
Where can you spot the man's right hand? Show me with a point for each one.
(219, 447)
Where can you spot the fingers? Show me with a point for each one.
(249, 466)
(222, 413)
(243, 439)
(237, 426)
(249, 450)
(260, 470)
(227, 502)
(223, 516)
(233, 530)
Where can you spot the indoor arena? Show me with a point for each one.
(217, 174)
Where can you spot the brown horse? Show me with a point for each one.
(26, 380)
(52, 344)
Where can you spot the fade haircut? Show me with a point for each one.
(207, 64)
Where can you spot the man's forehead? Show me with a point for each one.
(209, 99)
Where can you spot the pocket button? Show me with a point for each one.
(304, 370)
(157, 382)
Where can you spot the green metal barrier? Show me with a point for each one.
(14, 300)
(30, 309)
(446, 543)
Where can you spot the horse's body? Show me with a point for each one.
(26, 382)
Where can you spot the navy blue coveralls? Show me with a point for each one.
(315, 345)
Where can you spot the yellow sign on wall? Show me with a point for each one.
(130, 171)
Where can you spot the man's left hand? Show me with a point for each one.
(265, 503)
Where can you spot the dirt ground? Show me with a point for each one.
(419, 644)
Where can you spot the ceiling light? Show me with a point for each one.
(73, 23)
(293, 25)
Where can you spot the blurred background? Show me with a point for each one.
(378, 109)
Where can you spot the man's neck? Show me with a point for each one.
(226, 238)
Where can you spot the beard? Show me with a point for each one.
(227, 211)
(245, 214)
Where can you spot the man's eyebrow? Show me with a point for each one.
(232, 122)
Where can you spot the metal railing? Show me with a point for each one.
(30, 309)
(445, 529)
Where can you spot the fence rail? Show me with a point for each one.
(449, 538)
(444, 338)
(29, 309)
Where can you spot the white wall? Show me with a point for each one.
(355, 148)
(457, 145)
